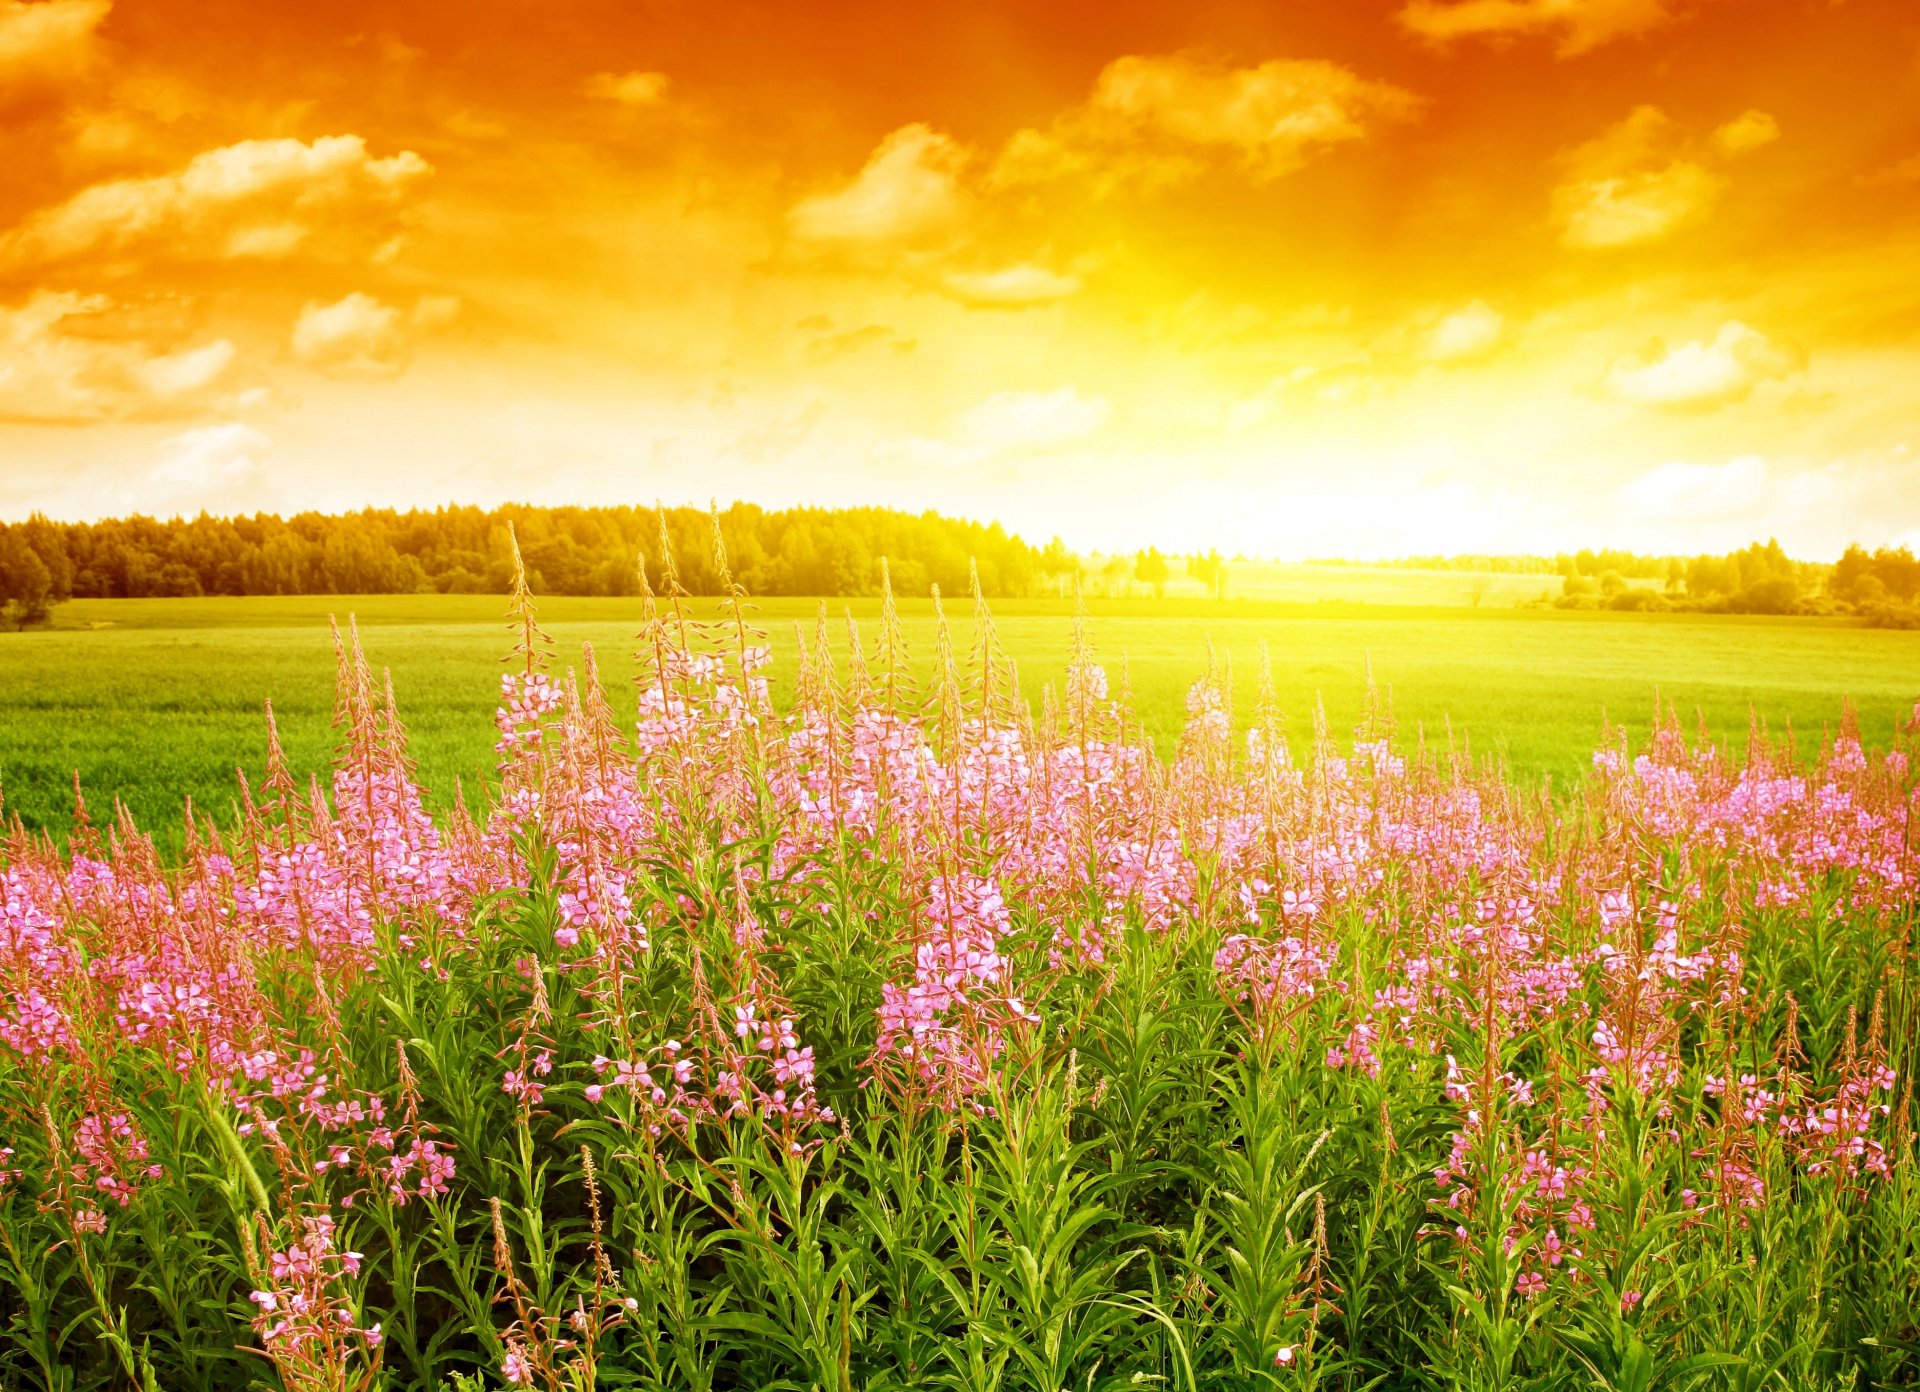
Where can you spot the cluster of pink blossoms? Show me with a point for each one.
(986, 855)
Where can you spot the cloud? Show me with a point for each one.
(1582, 25)
(1466, 335)
(257, 199)
(69, 359)
(1904, 171)
(1703, 376)
(908, 193)
(1747, 131)
(1165, 119)
(1632, 184)
(634, 89)
(826, 346)
(1024, 420)
(174, 376)
(1334, 385)
(212, 457)
(1012, 287)
(360, 337)
(1700, 492)
(47, 42)
(357, 336)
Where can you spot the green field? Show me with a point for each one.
(153, 699)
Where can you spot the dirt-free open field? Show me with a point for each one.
(153, 700)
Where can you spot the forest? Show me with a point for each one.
(805, 551)
(464, 550)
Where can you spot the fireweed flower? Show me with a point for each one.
(992, 864)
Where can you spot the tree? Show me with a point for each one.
(1150, 568)
(26, 584)
(1059, 565)
(1210, 570)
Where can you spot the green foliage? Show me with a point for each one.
(568, 551)
(162, 703)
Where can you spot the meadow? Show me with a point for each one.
(154, 702)
(888, 1035)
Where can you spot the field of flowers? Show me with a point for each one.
(914, 1039)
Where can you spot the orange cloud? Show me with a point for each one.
(360, 337)
(258, 199)
(1582, 25)
(1631, 184)
(46, 42)
(1748, 131)
(64, 360)
(1704, 376)
(1166, 119)
(210, 461)
(356, 337)
(908, 192)
(1465, 335)
(635, 89)
(1011, 287)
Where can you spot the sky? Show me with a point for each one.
(1294, 278)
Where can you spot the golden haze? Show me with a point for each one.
(1296, 279)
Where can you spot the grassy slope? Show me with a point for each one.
(153, 699)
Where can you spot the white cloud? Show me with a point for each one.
(1023, 420)
(908, 192)
(212, 457)
(1006, 426)
(188, 372)
(46, 41)
(1634, 208)
(77, 359)
(634, 89)
(1703, 376)
(1162, 119)
(1011, 287)
(1700, 491)
(257, 199)
(1632, 184)
(1466, 335)
(1582, 25)
(1748, 131)
(357, 336)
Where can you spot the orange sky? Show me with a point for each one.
(1302, 277)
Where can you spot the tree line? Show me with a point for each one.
(464, 550)
(801, 551)
(1881, 586)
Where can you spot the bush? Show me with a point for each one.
(1639, 601)
(1891, 613)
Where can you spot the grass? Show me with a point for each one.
(1012, 1061)
(157, 701)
